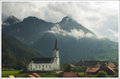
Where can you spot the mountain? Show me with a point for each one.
(16, 54)
(41, 35)
(29, 30)
(10, 20)
(67, 23)
(72, 50)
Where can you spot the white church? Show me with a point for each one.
(46, 64)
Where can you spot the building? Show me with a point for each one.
(88, 63)
(70, 74)
(46, 64)
(107, 67)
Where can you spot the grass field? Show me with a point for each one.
(17, 73)
(81, 74)
(6, 73)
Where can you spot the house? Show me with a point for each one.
(108, 68)
(70, 74)
(46, 64)
(89, 63)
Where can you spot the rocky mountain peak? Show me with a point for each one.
(11, 20)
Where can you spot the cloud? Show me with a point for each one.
(113, 34)
(75, 33)
(97, 16)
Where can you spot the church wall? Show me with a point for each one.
(41, 67)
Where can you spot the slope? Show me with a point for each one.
(16, 54)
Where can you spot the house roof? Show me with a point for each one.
(111, 65)
(11, 76)
(31, 76)
(89, 63)
(92, 69)
(102, 67)
(106, 66)
(42, 60)
(36, 75)
(70, 74)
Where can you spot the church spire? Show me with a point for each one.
(56, 47)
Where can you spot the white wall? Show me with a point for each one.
(41, 67)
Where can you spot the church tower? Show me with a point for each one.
(56, 56)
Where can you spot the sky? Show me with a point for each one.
(99, 17)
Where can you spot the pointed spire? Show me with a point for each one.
(56, 47)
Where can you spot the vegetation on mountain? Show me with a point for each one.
(15, 54)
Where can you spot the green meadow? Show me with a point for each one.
(17, 73)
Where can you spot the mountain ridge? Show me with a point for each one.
(35, 33)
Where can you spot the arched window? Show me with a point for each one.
(46, 66)
(39, 66)
(31, 67)
(36, 66)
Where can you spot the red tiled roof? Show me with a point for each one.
(32, 76)
(36, 75)
(70, 74)
(92, 69)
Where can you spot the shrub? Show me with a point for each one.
(102, 74)
(66, 67)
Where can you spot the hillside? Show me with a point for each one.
(75, 41)
(72, 50)
(16, 54)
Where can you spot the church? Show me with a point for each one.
(46, 64)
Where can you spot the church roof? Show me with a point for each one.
(42, 60)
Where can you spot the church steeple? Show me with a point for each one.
(56, 47)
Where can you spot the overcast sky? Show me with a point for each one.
(99, 17)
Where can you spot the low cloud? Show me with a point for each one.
(113, 34)
(75, 33)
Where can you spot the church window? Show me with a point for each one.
(42, 65)
(31, 67)
(49, 66)
(36, 66)
(39, 66)
(46, 66)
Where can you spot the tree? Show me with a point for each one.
(102, 74)
(78, 69)
(66, 67)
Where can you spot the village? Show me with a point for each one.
(76, 69)
(50, 67)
